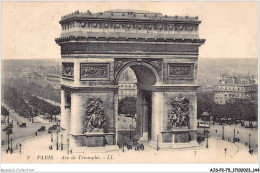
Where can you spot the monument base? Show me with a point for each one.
(92, 139)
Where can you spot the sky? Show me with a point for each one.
(30, 28)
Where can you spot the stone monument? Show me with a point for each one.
(162, 51)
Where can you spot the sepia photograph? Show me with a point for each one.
(129, 82)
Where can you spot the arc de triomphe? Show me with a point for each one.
(162, 51)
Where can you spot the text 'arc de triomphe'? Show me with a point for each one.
(162, 51)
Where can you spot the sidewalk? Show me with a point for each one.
(37, 147)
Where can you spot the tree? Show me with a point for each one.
(205, 103)
(4, 111)
(127, 105)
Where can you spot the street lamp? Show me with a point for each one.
(123, 145)
(51, 137)
(249, 141)
(207, 144)
(61, 147)
(223, 133)
(8, 140)
(132, 122)
(234, 139)
(68, 143)
(11, 145)
(158, 143)
(57, 143)
(130, 132)
(20, 145)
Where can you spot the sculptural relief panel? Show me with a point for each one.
(94, 118)
(68, 70)
(94, 71)
(179, 114)
(180, 71)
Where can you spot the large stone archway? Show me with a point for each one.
(161, 50)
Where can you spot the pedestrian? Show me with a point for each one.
(216, 131)
(142, 146)
(35, 133)
(246, 143)
(195, 153)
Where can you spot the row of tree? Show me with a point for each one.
(27, 105)
(25, 86)
(42, 107)
(4, 111)
(127, 105)
(244, 109)
(16, 102)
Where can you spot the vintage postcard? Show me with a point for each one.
(129, 82)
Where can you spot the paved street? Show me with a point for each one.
(21, 132)
(240, 132)
(38, 150)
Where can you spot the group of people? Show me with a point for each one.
(137, 146)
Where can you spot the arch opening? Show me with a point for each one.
(139, 125)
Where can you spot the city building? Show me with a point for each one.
(235, 86)
(127, 83)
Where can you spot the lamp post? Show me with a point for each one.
(61, 145)
(68, 143)
(207, 145)
(234, 139)
(11, 145)
(132, 122)
(157, 143)
(130, 132)
(249, 141)
(223, 133)
(123, 145)
(57, 143)
(8, 140)
(20, 145)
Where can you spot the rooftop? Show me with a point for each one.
(131, 11)
(126, 15)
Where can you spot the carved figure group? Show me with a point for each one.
(67, 69)
(179, 114)
(94, 115)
